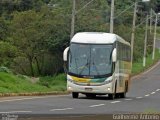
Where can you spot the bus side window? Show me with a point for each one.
(128, 53)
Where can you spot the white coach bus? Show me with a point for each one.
(98, 64)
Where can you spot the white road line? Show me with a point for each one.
(16, 112)
(158, 90)
(20, 99)
(96, 105)
(147, 95)
(128, 99)
(61, 109)
(115, 101)
(139, 97)
(31, 98)
(153, 93)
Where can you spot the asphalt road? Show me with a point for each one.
(143, 97)
(158, 44)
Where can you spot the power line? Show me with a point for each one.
(84, 6)
(124, 11)
(143, 22)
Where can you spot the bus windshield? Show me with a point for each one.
(90, 59)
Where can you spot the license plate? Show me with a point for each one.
(88, 89)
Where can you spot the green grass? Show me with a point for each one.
(56, 83)
(138, 66)
(10, 83)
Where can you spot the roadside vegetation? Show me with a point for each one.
(138, 66)
(10, 83)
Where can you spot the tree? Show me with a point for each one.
(38, 35)
(3, 29)
(40, 29)
(25, 35)
(7, 53)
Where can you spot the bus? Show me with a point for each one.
(98, 63)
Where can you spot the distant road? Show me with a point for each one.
(157, 43)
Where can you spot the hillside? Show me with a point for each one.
(34, 33)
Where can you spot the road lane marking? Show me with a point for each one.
(153, 93)
(61, 109)
(31, 98)
(128, 99)
(20, 99)
(158, 90)
(139, 97)
(115, 101)
(16, 112)
(147, 95)
(96, 105)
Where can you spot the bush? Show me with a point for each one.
(4, 69)
(56, 82)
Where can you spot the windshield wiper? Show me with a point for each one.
(93, 63)
(76, 64)
(86, 65)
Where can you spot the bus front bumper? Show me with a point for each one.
(101, 89)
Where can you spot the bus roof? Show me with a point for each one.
(97, 38)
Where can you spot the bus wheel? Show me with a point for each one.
(117, 95)
(123, 95)
(111, 96)
(75, 94)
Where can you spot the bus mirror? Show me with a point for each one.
(65, 54)
(114, 55)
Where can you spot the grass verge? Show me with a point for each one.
(10, 83)
(138, 66)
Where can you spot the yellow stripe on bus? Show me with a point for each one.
(84, 80)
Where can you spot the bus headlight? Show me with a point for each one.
(108, 88)
(70, 88)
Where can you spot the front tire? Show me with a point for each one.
(75, 94)
(113, 95)
(123, 95)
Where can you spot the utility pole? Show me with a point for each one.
(151, 20)
(154, 42)
(145, 43)
(112, 16)
(73, 18)
(133, 32)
